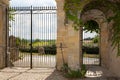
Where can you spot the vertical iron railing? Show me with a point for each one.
(32, 29)
(6, 55)
(31, 40)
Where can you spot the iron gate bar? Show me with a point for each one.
(33, 8)
(31, 40)
(46, 14)
(6, 56)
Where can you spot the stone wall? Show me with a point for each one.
(100, 18)
(61, 35)
(4, 2)
(13, 49)
(3, 5)
(114, 60)
(71, 40)
(109, 58)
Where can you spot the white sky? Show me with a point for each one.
(32, 3)
(44, 26)
(26, 3)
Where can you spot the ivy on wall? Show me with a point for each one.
(73, 9)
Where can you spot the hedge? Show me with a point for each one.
(48, 49)
(90, 50)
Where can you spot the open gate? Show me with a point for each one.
(32, 36)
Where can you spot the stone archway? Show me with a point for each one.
(100, 18)
(72, 40)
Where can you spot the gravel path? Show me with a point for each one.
(48, 61)
(93, 73)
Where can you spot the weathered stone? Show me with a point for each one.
(3, 5)
(41, 50)
(14, 54)
(14, 50)
(73, 40)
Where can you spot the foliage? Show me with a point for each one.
(96, 39)
(73, 9)
(65, 67)
(80, 73)
(74, 74)
(47, 49)
(83, 71)
(43, 42)
(11, 15)
(91, 55)
(18, 41)
(91, 26)
(49, 45)
(50, 49)
(37, 40)
(90, 50)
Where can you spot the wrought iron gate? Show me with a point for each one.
(32, 36)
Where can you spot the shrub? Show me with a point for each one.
(96, 39)
(65, 68)
(74, 73)
(48, 49)
(90, 50)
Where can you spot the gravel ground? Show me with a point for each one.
(93, 73)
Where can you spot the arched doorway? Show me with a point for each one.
(90, 43)
(99, 17)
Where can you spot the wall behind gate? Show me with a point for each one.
(3, 5)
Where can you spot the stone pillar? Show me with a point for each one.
(3, 5)
(61, 36)
(70, 40)
(104, 45)
(74, 48)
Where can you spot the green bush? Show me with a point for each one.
(48, 49)
(96, 39)
(90, 50)
(65, 68)
(74, 73)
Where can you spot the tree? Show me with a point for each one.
(96, 39)
(11, 15)
(91, 26)
(18, 41)
(37, 40)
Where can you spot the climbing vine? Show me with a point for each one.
(73, 9)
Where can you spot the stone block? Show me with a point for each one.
(14, 54)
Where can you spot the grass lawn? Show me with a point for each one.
(43, 43)
(91, 55)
